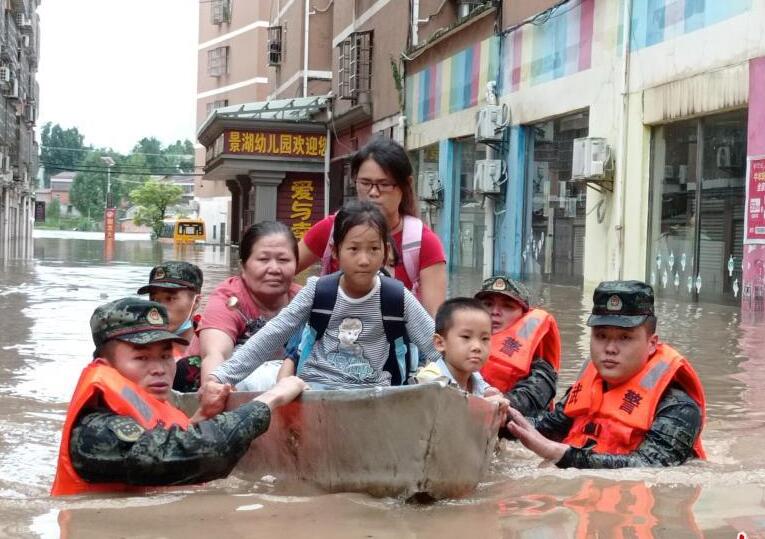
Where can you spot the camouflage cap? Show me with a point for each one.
(499, 284)
(134, 320)
(625, 304)
(174, 274)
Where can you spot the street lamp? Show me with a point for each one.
(109, 162)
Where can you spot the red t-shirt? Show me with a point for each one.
(218, 316)
(431, 250)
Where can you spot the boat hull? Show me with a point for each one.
(397, 441)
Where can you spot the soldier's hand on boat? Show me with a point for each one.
(213, 396)
(532, 439)
(284, 392)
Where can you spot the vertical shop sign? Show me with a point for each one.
(755, 200)
(302, 196)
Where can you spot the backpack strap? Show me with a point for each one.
(326, 258)
(324, 299)
(392, 308)
(411, 242)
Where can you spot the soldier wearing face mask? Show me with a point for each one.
(178, 286)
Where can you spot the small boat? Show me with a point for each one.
(426, 441)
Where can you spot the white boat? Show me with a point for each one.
(424, 440)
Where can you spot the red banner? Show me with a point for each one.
(754, 231)
(110, 223)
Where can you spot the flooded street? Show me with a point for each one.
(46, 301)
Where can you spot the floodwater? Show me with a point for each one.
(49, 290)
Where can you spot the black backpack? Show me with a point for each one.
(401, 362)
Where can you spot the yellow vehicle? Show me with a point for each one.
(182, 231)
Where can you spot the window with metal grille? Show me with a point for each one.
(217, 62)
(220, 11)
(274, 45)
(215, 105)
(355, 65)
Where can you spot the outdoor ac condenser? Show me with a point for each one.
(591, 158)
(486, 175)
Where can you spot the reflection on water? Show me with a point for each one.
(47, 300)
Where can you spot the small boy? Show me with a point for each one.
(178, 286)
(120, 430)
(463, 335)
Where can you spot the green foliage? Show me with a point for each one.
(61, 149)
(153, 198)
(88, 192)
(398, 81)
(53, 213)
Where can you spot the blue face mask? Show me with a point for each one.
(183, 328)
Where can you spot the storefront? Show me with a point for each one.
(272, 158)
(696, 216)
(554, 222)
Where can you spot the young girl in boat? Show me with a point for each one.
(359, 321)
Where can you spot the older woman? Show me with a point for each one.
(241, 305)
(383, 175)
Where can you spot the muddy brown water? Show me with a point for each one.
(49, 290)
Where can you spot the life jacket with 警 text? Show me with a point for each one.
(617, 420)
(103, 386)
(534, 335)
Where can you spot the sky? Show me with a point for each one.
(119, 70)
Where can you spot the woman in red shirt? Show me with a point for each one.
(268, 256)
(383, 175)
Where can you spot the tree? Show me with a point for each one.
(88, 193)
(62, 149)
(181, 155)
(153, 198)
(54, 211)
(132, 172)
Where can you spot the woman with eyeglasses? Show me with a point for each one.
(382, 173)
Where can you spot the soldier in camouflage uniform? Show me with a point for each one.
(531, 389)
(638, 402)
(178, 286)
(101, 448)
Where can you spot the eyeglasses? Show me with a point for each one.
(383, 187)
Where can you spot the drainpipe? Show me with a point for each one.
(621, 173)
(326, 167)
(306, 26)
(415, 18)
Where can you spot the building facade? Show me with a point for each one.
(231, 70)
(19, 97)
(669, 93)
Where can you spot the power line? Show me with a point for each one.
(68, 168)
(90, 150)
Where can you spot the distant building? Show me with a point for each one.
(60, 187)
(19, 97)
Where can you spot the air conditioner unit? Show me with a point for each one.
(490, 121)
(12, 92)
(25, 40)
(486, 175)
(429, 185)
(6, 164)
(591, 160)
(5, 74)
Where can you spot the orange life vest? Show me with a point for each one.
(103, 384)
(513, 349)
(618, 419)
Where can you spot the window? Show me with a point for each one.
(217, 62)
(220, 11)
(697, 208)
(215, 105)
(275, 45)
(355, 65)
